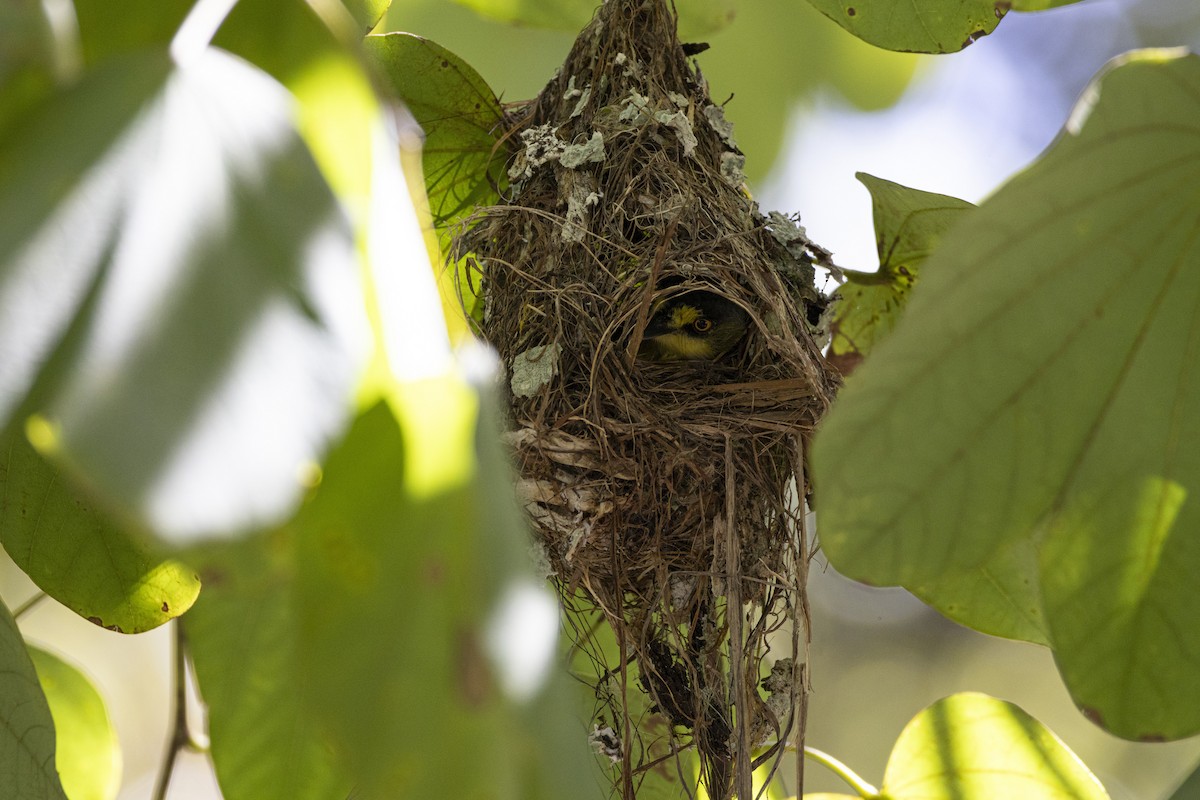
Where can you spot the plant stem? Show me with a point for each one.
(863, 788)
(180, 734)
(29, 604)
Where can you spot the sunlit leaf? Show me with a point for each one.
(908, 225)
(1001, 597)
(26, 727)
(335, 105)
(88, 753)
(972, 745)
(242, 634)
(463, 123)
(1042, 388)
(932, 26)
(367, 12)
(78, 555)
(191, 349)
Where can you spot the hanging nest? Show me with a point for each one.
(663, 493)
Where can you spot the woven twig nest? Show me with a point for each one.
(663, 493)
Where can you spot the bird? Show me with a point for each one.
(693, 326)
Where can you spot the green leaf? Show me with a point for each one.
(972, 745)
(89, 755)
(242, 634)
(397, 539)
(1040, 5)
(112, 28)
(336, 106)
(696, 17)
(1001, 597)
(27, 58)
(1189, 789)
(796, 51)
(188, 350)
(78, 555)
(26, 727)
(909, 223)
(1042, 388)
(933, 26)
(463, 158)
(367, 12)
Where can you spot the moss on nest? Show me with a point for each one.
(663, 493)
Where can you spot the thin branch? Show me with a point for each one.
(852, 778)
(28, 605)
(181, 736)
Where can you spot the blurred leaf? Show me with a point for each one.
(79, 556)
(696, 17)
(972, 745)
(463, 158)
(191, 349)
(408, 542)
(336, 107)
(26, 727)
(1041, 388)
(109, 28)
(242, 635)
(27, 58)
(89, 755)
(909, 223)
(933, 26)
(367, 12)
(1189, 789)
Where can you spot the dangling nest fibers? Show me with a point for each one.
(664, 494)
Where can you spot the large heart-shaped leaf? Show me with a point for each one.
(1042, 388)
(188, 349)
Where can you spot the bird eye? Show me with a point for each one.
(702, 325)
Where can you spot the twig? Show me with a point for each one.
(743, 773)
(852, 778)
(181, 736)
(28, 605)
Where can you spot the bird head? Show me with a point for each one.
(692, 326)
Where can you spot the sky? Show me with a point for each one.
(967, 122)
